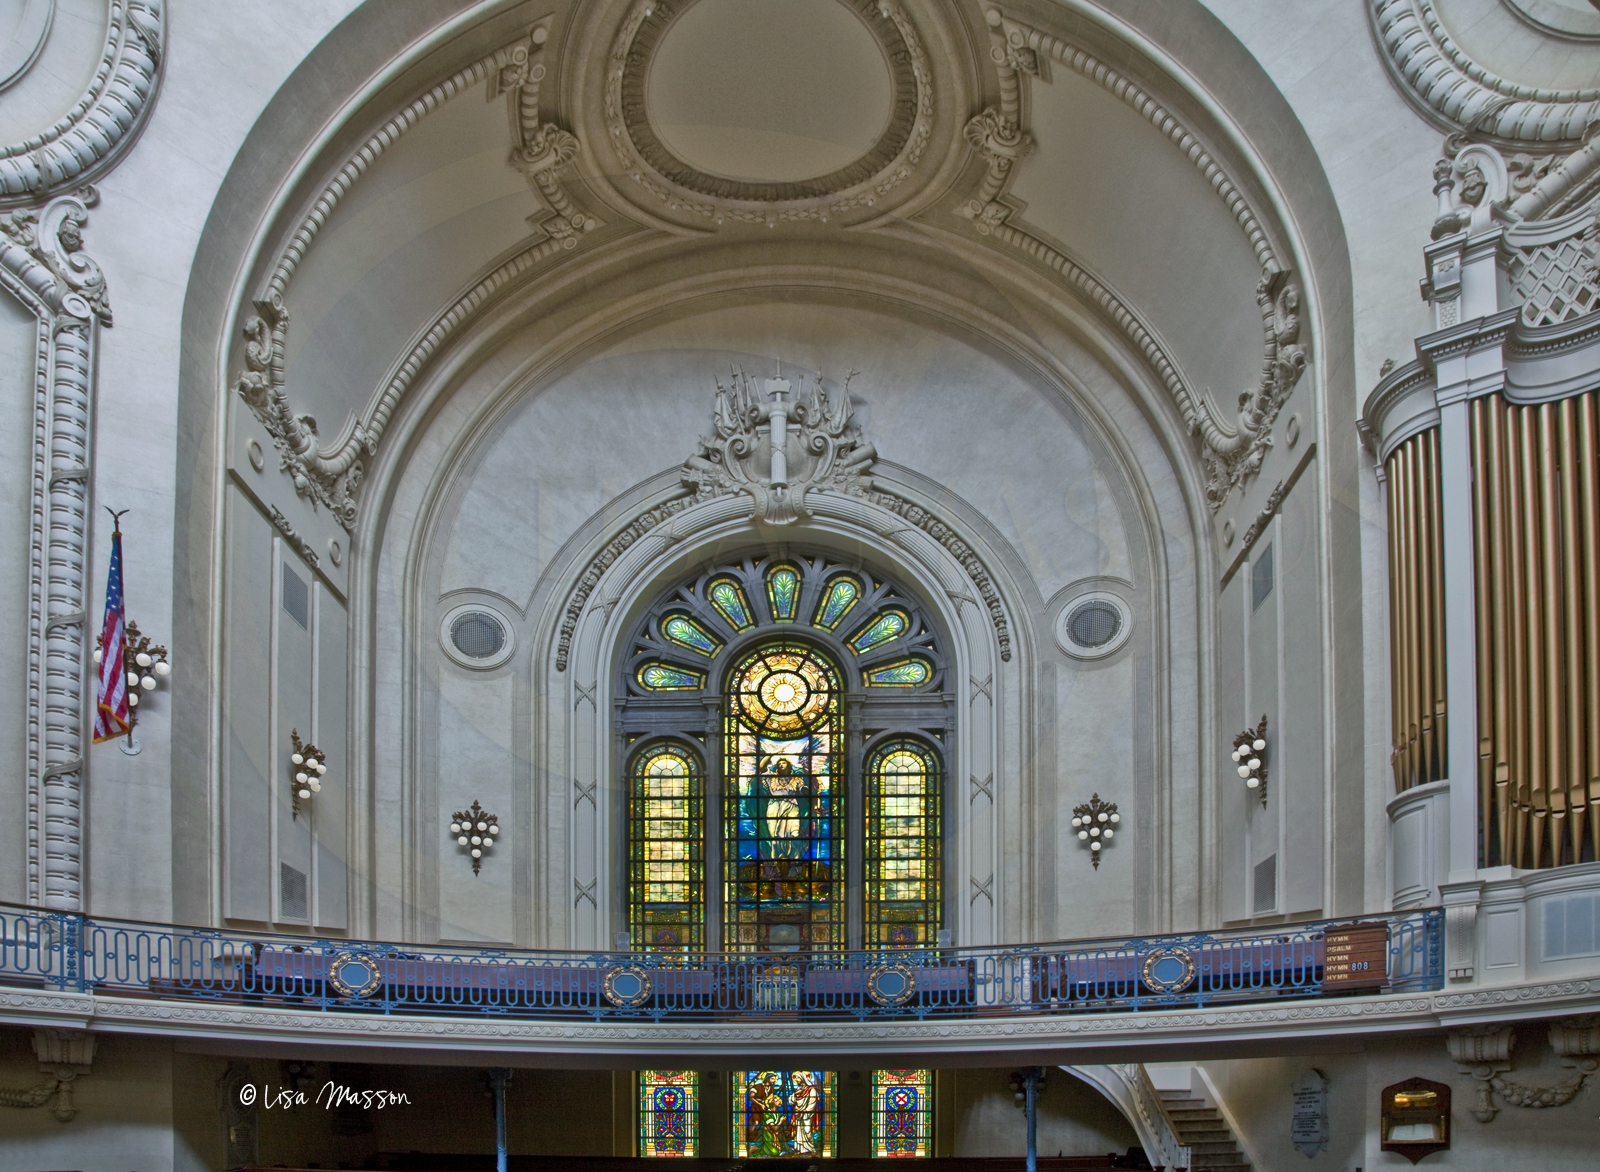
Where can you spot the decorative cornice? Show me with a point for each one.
(541, 151)
(1462, 95)
(1232, 452)
(680, 187)
(91, 136)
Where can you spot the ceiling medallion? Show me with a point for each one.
(854, 187)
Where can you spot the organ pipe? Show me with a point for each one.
(1416, 594)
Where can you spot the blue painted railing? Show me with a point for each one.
(84, 954)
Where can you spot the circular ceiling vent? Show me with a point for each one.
(1093, 625)
(477, 636)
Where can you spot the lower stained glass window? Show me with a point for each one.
(669, 1113)
(666, 845)
(902, 1113)
(902, 846)
(784, 1113)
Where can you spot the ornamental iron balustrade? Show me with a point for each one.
(74, 953)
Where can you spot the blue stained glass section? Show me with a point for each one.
(783, 590)
(686, 632)
(890, 624)
(731, 603)
(905, 673)
(836, 603)
(659, 677)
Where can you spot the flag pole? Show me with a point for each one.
(116, 532)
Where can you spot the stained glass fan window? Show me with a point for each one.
(784, 874)
(666, 840)
(902, 1113)
(784, 1113)
(669, 1113)
(902, 846)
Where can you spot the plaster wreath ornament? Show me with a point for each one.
(776, 450)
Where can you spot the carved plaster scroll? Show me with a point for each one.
(100, 126)
(1232, 451)
(300, 544)
(330, 476)
(63, 1056)
(43, 265)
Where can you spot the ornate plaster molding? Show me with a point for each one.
(1232, 451)
(43, 265)
(91, 136)
(854, 188)
(1460, 94)
(330, 476)
(300, 544)
(63, 1056)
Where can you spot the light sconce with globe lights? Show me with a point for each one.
(1250, 754)
(1096, 823)
(475, 829)
(145, 662)
(309, 764)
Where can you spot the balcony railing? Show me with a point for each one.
(1399, 952)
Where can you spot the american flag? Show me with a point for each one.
(111, 699)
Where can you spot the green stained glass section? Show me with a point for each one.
(666, 850)
(902, 1113)
(783, 592)
(903, 861)
(728, 597)
(685, 632)
(840, 596)
(903, 673)
(669, 1113)
(779, 1113)
(888, 625)
(661, 677)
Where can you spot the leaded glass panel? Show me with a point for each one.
(837, 600)
(685, 632)
(780, 1113)
(903, 836)
(784, 865)
(887, 626)
(902, 673)
(662, 677)
(728, 597)
(783, 592)
(902, 1113)
(669, 1113)
(666, 843)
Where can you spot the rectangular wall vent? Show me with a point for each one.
(1261, 578)
(293, 903)
(296, 597)
(1572, 926)
(1266, 886)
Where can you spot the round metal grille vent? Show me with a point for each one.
(478, 634)
(1094, 624)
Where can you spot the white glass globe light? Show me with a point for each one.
(1244, 771)
(1116, 817)
(133, 678)
(301, 777)
(305, 793)
(494, 828)
(476, 841)
(1094, 846)
(97, 654)
(455, 828)
(1255, 763)
(1259, 745)
(297, 758)
(1109, 833)
(142, 659)
(147, 683)
(1077, 821)
(476, 853)
(321, 768)
(1094, 831)
(133, 699)
(316, 786)
(483, 826)
(1253, 783)
(1104, 815)
(1236, 754)
(163, 668)
(462, 840)
(1082, 834)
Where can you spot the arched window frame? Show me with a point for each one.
(644, 816)
(694, 715)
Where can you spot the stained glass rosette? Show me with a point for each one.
(669, 1113)
(902, 1113)
(779, 1113)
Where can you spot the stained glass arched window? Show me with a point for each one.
(669, 1113)
(783, 800)
(780, 1113)
(666, 841)
(904, 842)
(902, 1113)
(735, 688)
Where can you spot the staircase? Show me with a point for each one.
(1203, 1131)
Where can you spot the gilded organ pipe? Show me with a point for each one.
(1417, 648)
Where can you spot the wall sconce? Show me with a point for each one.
(146, 664)
(1095, 822)
(475, 828)
(1250, 754)
(1019, 1085)
(1415, 1118)
(310, 763)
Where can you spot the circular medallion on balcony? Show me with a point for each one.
(627, 986)
(891, 984)
(354, 975)
(1168, 970)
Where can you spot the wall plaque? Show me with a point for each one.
(1309, 1129)
(1356, 957)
